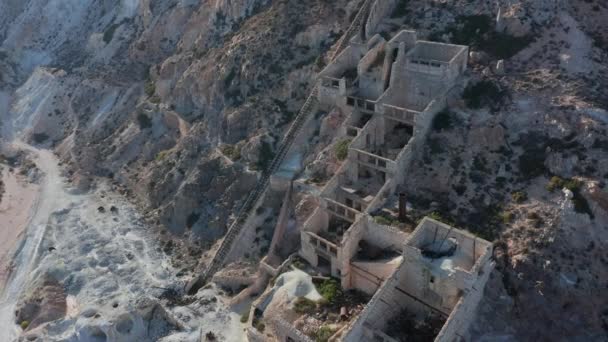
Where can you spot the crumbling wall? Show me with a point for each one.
(283, 330)
(315, 223)
(386, 303)
(329, 95)
(350, 245)
(464, 312)
(385, 237)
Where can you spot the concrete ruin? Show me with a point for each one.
(391, 91)
(443, 273)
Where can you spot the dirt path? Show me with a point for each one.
(25, 259)
(15, 206)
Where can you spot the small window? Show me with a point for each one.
(432, 280)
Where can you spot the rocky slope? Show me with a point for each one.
(179, 102)
(164, 96)
(522, 161)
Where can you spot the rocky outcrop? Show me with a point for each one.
(44, 302)
(144, 92)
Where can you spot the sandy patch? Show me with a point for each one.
(15, 205)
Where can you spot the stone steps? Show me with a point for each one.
(249, 206)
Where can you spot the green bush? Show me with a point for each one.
(231, 151)
(507, 217)
(444, 120)
(109, 33)
(330, 290)
(150, 88)
(24, 324)
(559, 183)
(155, 99)
(519, 196)
(435, 215)
(161, 155)
(245, 316)
(259, 326)
(324, 333)
(266, 155)
(341, 149)
(555, 183)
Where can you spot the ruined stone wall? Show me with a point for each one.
(464, 312)
(283, 329)
(385, 237)
(386, 303)
(350, 244)
(407, 37)
(330, 97)
(367, 276)
(317, 221)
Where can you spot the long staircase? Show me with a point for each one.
(262, 185)
(353, 29)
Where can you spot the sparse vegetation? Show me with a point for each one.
(532, 162)
(109, 33)
(231, 151)
(324, 333)
(478, 31)
(581, 205)
(144, 121)
(435, 146)
(401, 9)
(150, 88)
(386, 220)
(444, 120)
(507, 217)
(161, 155)
(155, 99)
(519, 196)
(40, 138)
(266, 155)
(435, 215)
(341, 149)
(304, 305)
(483, 93)
(192, 219)
(245, 315)
(330, 290)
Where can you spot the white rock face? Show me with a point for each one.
(569, 216)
